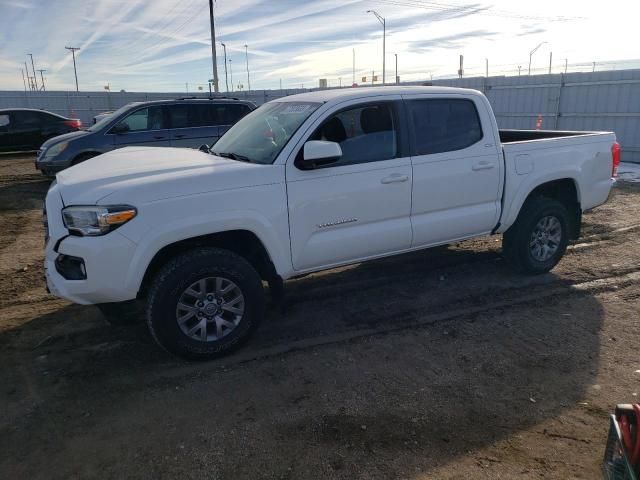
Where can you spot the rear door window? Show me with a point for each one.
(203, 115)
(229, 114)
(443, 125)
(178, 116)
(26, 120)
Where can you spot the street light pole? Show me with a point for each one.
(231, 74)
(532, 52)
(226, 78)
(246, 53)
(214, 60)
(383, 21)
(75, 72)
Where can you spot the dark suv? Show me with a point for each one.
(185, 122)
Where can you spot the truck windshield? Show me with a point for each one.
(260, 136)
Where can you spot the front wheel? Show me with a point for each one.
(205, 303)
(536, 242)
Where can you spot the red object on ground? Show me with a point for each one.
(630, 430)
(539, 122)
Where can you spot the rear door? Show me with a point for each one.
(360, 206)
(25, 130)
(146, 126)
(193, 124)
(456, 168)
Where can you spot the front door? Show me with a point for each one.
(146, 127)
(358, 207)
(457, 168)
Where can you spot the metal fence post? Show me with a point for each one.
(558, 103)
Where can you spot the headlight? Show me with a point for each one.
(57, 149)
(96, 220)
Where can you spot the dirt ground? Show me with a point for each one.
(440, 364)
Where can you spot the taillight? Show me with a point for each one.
(615, 155)
(73, 123)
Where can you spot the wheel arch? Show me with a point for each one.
(567, 192)
(242, 242)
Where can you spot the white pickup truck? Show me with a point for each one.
(306, 183)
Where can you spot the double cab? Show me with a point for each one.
(307, 183)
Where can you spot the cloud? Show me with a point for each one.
(142, 45)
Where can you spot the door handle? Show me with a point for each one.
(483, 165)
(394, 178)
(159, 137)
(180, 136)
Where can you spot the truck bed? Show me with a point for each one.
(513, 136)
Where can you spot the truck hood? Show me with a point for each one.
(138, 175)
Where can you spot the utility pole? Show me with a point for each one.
(26, 69)
(214, 60)
(372, 73)
(550, 60)
(23, 80)
(566, 64)
(519, 69)
(35, 79)
(231, 74)
(461, 69)
(75, 71)
(280, 84)
(486, 67)
(397, 79)
(42, 78)
(226, 77)
(246, 53)
(594, 67)
(383, 21)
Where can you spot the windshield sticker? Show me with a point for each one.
(300, 108)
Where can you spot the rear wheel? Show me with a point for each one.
(205, 303)
(536, 242)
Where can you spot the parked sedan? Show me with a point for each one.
(186, 122)
(24, 129)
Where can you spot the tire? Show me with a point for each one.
(201, 321)
(542, 222)
(122, 313)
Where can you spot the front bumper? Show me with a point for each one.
(106, 261)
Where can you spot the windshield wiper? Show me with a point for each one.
(233, 156)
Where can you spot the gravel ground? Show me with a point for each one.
(439, 364)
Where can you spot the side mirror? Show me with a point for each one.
(318, 153)
(120, 128)
(204, 148)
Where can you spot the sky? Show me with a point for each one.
(165, 45)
